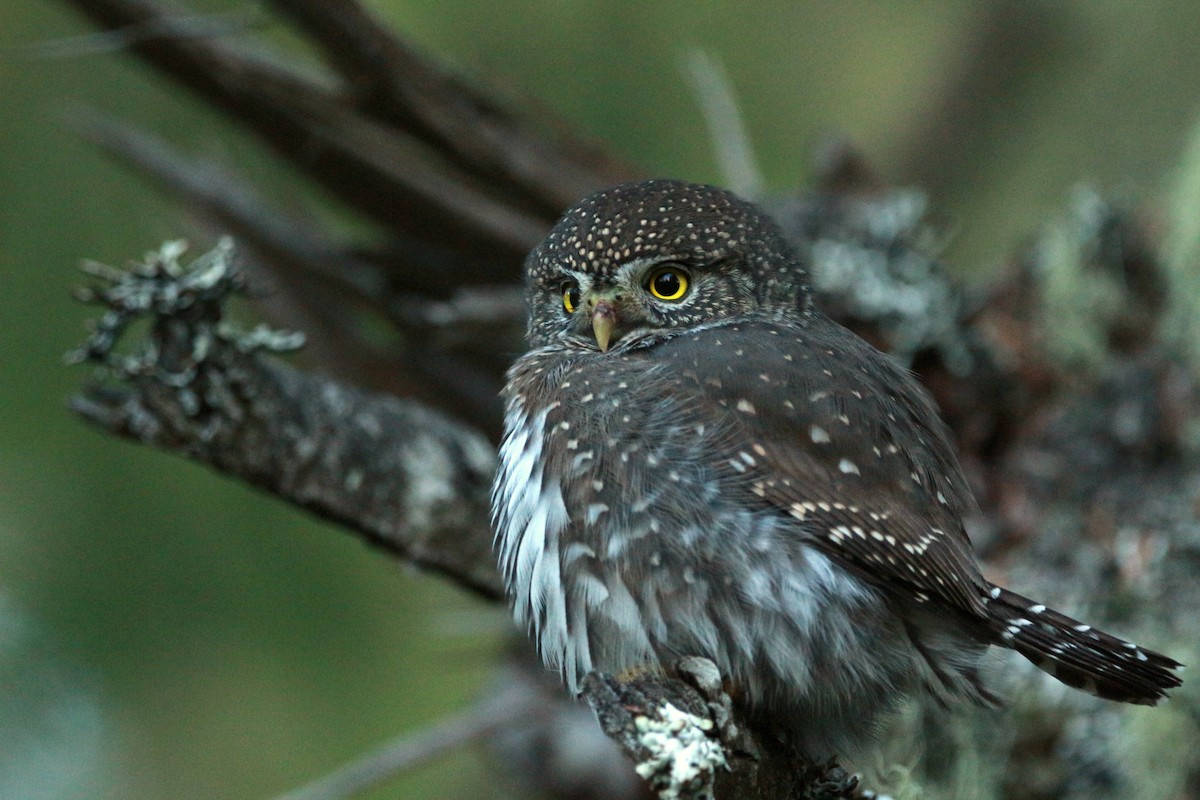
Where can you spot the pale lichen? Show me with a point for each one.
(682, 757)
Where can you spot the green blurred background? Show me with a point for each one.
(165, 633)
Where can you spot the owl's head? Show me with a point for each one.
(633, 262)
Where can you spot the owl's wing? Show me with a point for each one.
(833, 434)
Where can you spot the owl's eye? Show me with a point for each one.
(668, 283)
(570, 296)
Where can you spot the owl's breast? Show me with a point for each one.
(610, 449)
(616, 524)
(632, 451)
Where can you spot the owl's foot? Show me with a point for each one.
(662, 724)
(636, 673)
(680, 732)
(703, 676)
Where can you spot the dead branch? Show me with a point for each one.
(403, 476)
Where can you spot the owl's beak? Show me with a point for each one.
(604, 319)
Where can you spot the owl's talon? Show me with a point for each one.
(635, 673)
(703, 676)
(663, 726)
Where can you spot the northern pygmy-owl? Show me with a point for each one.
(697, 461)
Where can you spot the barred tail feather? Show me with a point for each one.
(1079, 655)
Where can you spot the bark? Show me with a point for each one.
(688, 742)
(1074, 415)
(405, 477)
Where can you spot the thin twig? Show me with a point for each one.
(233, 206)
(386, 174)
(533, 165)
(726, 124)
(503, 710)
(481, 307)
(116, 40)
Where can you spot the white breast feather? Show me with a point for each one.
(529, 518)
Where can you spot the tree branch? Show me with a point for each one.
(401, 475)
(383, 173)
(318, 280)
(686, 742)
(488, 716)
(543, 168)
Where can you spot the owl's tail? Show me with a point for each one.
(1079, 655)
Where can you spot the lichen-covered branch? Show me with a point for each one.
(685, 740)
(402, 475)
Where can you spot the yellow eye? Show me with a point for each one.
(668, 283)
(570, 295)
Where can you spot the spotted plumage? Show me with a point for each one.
(698, 462)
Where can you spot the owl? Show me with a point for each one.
(697, 462)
